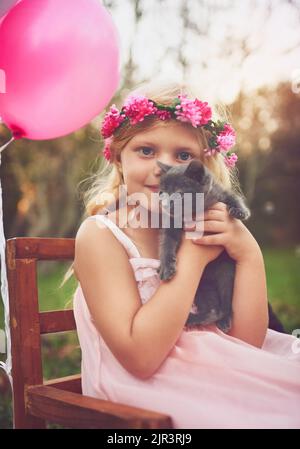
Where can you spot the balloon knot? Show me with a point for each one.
(17, 132)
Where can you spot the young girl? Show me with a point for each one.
(136, 349)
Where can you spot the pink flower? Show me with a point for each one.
(226, 138)
(230, 161)
(111, 121)
(136, 107)
(209, 151)
(107, 151)
(163, 115)
(194, 111)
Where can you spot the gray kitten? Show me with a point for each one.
(214, 294)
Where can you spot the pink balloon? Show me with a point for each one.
(5, 6)
(61, 62)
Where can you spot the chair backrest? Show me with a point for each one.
(27, 323)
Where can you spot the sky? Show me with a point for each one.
(268, 37)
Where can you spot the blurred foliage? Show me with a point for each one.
(268, 127)
(40, 183)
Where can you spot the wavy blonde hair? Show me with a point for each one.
(109, 177)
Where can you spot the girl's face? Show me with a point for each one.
(172, 144)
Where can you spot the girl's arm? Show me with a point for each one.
(158, 324)
(249, 302)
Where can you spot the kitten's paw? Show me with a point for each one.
(166, 272)
(241, 214)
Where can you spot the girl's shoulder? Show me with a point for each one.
(99, 227)
(95, 241)
(93, 231)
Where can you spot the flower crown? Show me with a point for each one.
(196, 112)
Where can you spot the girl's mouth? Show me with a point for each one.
(153, 188)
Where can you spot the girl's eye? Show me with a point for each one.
(185, 155)
(147, 150)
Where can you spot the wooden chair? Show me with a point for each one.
(59, 400)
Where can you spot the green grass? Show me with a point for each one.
(51, 297)
(61, 353)
(283, 280)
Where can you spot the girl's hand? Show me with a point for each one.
(226, 231)
(203, 253)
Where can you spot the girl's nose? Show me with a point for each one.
(165, 161)
(157, 170)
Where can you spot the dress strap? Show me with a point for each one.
(119, 234)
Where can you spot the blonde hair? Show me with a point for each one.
(109, 176)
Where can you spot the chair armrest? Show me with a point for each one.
(77, 411)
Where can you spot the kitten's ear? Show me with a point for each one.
(164, 167)
(195, 170)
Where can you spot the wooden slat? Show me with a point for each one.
(25, 334)
(83, 412)
(43, 248)
(57, 321)
(68, 383)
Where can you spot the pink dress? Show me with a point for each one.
(208, 380)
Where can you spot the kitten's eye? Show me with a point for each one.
(186, 155)
(142, 149)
